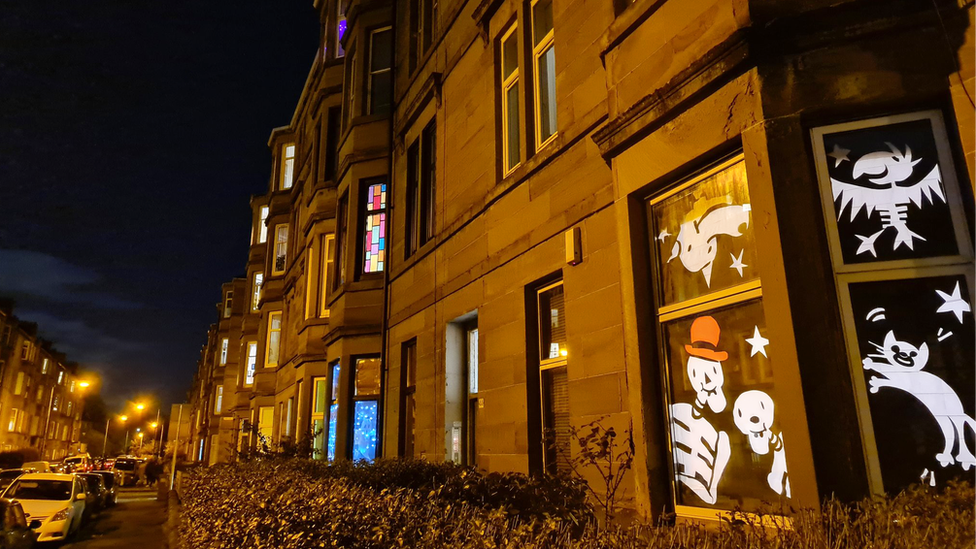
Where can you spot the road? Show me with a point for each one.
(136, 522)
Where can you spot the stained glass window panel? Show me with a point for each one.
(702, 236)
(374, 253)
(364, 430)
(729, 450)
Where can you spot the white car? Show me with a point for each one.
(53, 503)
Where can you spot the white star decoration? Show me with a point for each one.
(953, 303)
(664, 234)
(839, 154)
(758, 343)
(737, 263)
(867, 243)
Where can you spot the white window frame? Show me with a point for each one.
(263, 224)
(369, 67)
(224, 345)
(287, 173)
(280, 250)
(507, 83)
(267, 352)
(548, 41)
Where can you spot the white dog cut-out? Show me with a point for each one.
(899, 365)
(696, 245)
(753, 415)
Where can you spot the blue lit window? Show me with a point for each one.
(366, 409)
(333, 413)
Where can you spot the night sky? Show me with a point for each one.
(132, 135)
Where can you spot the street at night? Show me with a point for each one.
(572, 274)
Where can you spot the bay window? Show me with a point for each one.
(251, 365)
(287, 161)
(280, 249)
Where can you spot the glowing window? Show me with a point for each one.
(44, 366)
(544, 56)
(256, 290)
(252, 362)
(333, 412)
(219, 400)
(511, 123)
(340, 30)
(228, 304)
(287, 165)
(374, 252)
(224, 345)
(274, 339)
(263, 225)
(281, 249)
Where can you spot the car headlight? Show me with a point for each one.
(61, 515)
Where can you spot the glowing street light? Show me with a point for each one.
(140, 406)
(154, 425)
(124, 418)
(84, 384)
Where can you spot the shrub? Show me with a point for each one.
(293, 504)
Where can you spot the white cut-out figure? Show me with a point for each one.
(753, 414)
(886, 196)
(701, 451)
(899, 365)
(696, 245)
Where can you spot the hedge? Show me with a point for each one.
(298, 504)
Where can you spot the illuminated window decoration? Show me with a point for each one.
(704, 235)
(891, 194)
(374, 254)
(917, 364)
(340, 30)
(364, 430)
(333, 412)
(319, 395)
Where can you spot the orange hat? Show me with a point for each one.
(704, 339)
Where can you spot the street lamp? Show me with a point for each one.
(107, 421)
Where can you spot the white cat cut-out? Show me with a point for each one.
(899, 365)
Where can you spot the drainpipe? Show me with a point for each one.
(384, 337)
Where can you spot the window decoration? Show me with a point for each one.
(914, 337)
(333, 411)
(728, 449)
(340, 30)
(365, 409)
(319, 404)
(374, 254)
(902, 257)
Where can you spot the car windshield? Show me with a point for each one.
(73, 460)
(40, 489)
(125, 465)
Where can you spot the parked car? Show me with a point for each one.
(37, 467)
(97, 491)
(14, 532)
(81, 463)
(128, 469)
(110, 478)
(54, 504)
(9, 475)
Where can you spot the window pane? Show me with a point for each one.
(374, 253)
(409, 425)
(552, 324)
(916, 344)
(382, 50)
(318, 443)
(256, 299)
(252, 362)
(335, 383)
(510, 55)
(512, 125)
(263, 226)
(703, 236)
(555, 387)
(333, 418)
(547, 93)
(889, 196)
(728, 446)
(541, 20)
(340, 32)
(473, 361)
(379, 93)
(320, 396)
(367, 376)
(364, 430)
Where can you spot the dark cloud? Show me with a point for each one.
(33, 274)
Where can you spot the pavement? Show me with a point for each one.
(135, 523)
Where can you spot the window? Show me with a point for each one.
(256, 291)
(12, 424)
(224, 344)
(71, 386)
(228, 304)
(341, 227)
(713, 330)
(328, 263)
(331, 149)
(19, 385)
(553, 378)
(252, 362)
(544, 71)
(44, 365)
(60, 377)
(219, 400)
(351, 90)
(266, 424)
(319, 404)
(471, 417)
(25, 351)
(287, 165)
(423, 20)
(288, 411)
(34, 426)
(903, 262)
(274, 339)
(40, 394)
(67, 410)
(333, 411)
(511, 122)
(408, 403)
(379, 89)
(281, 249)
(366, 409)
(421, 179)
(374, 227)
(340, 29)
(263, 225)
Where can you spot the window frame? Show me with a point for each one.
(263, 213)
(280, 250)
(271, 330)
(355, 398)
(327, 265)
(228, 303)
(549, 458)
(224, 348)
(364, 216)
(506, 83)
(407, 428)
(371, 74)
(257, 282)
(538, 50)
(286, 172)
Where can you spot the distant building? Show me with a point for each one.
(741, 230)
(41, 401)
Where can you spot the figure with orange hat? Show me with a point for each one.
(702, 452)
